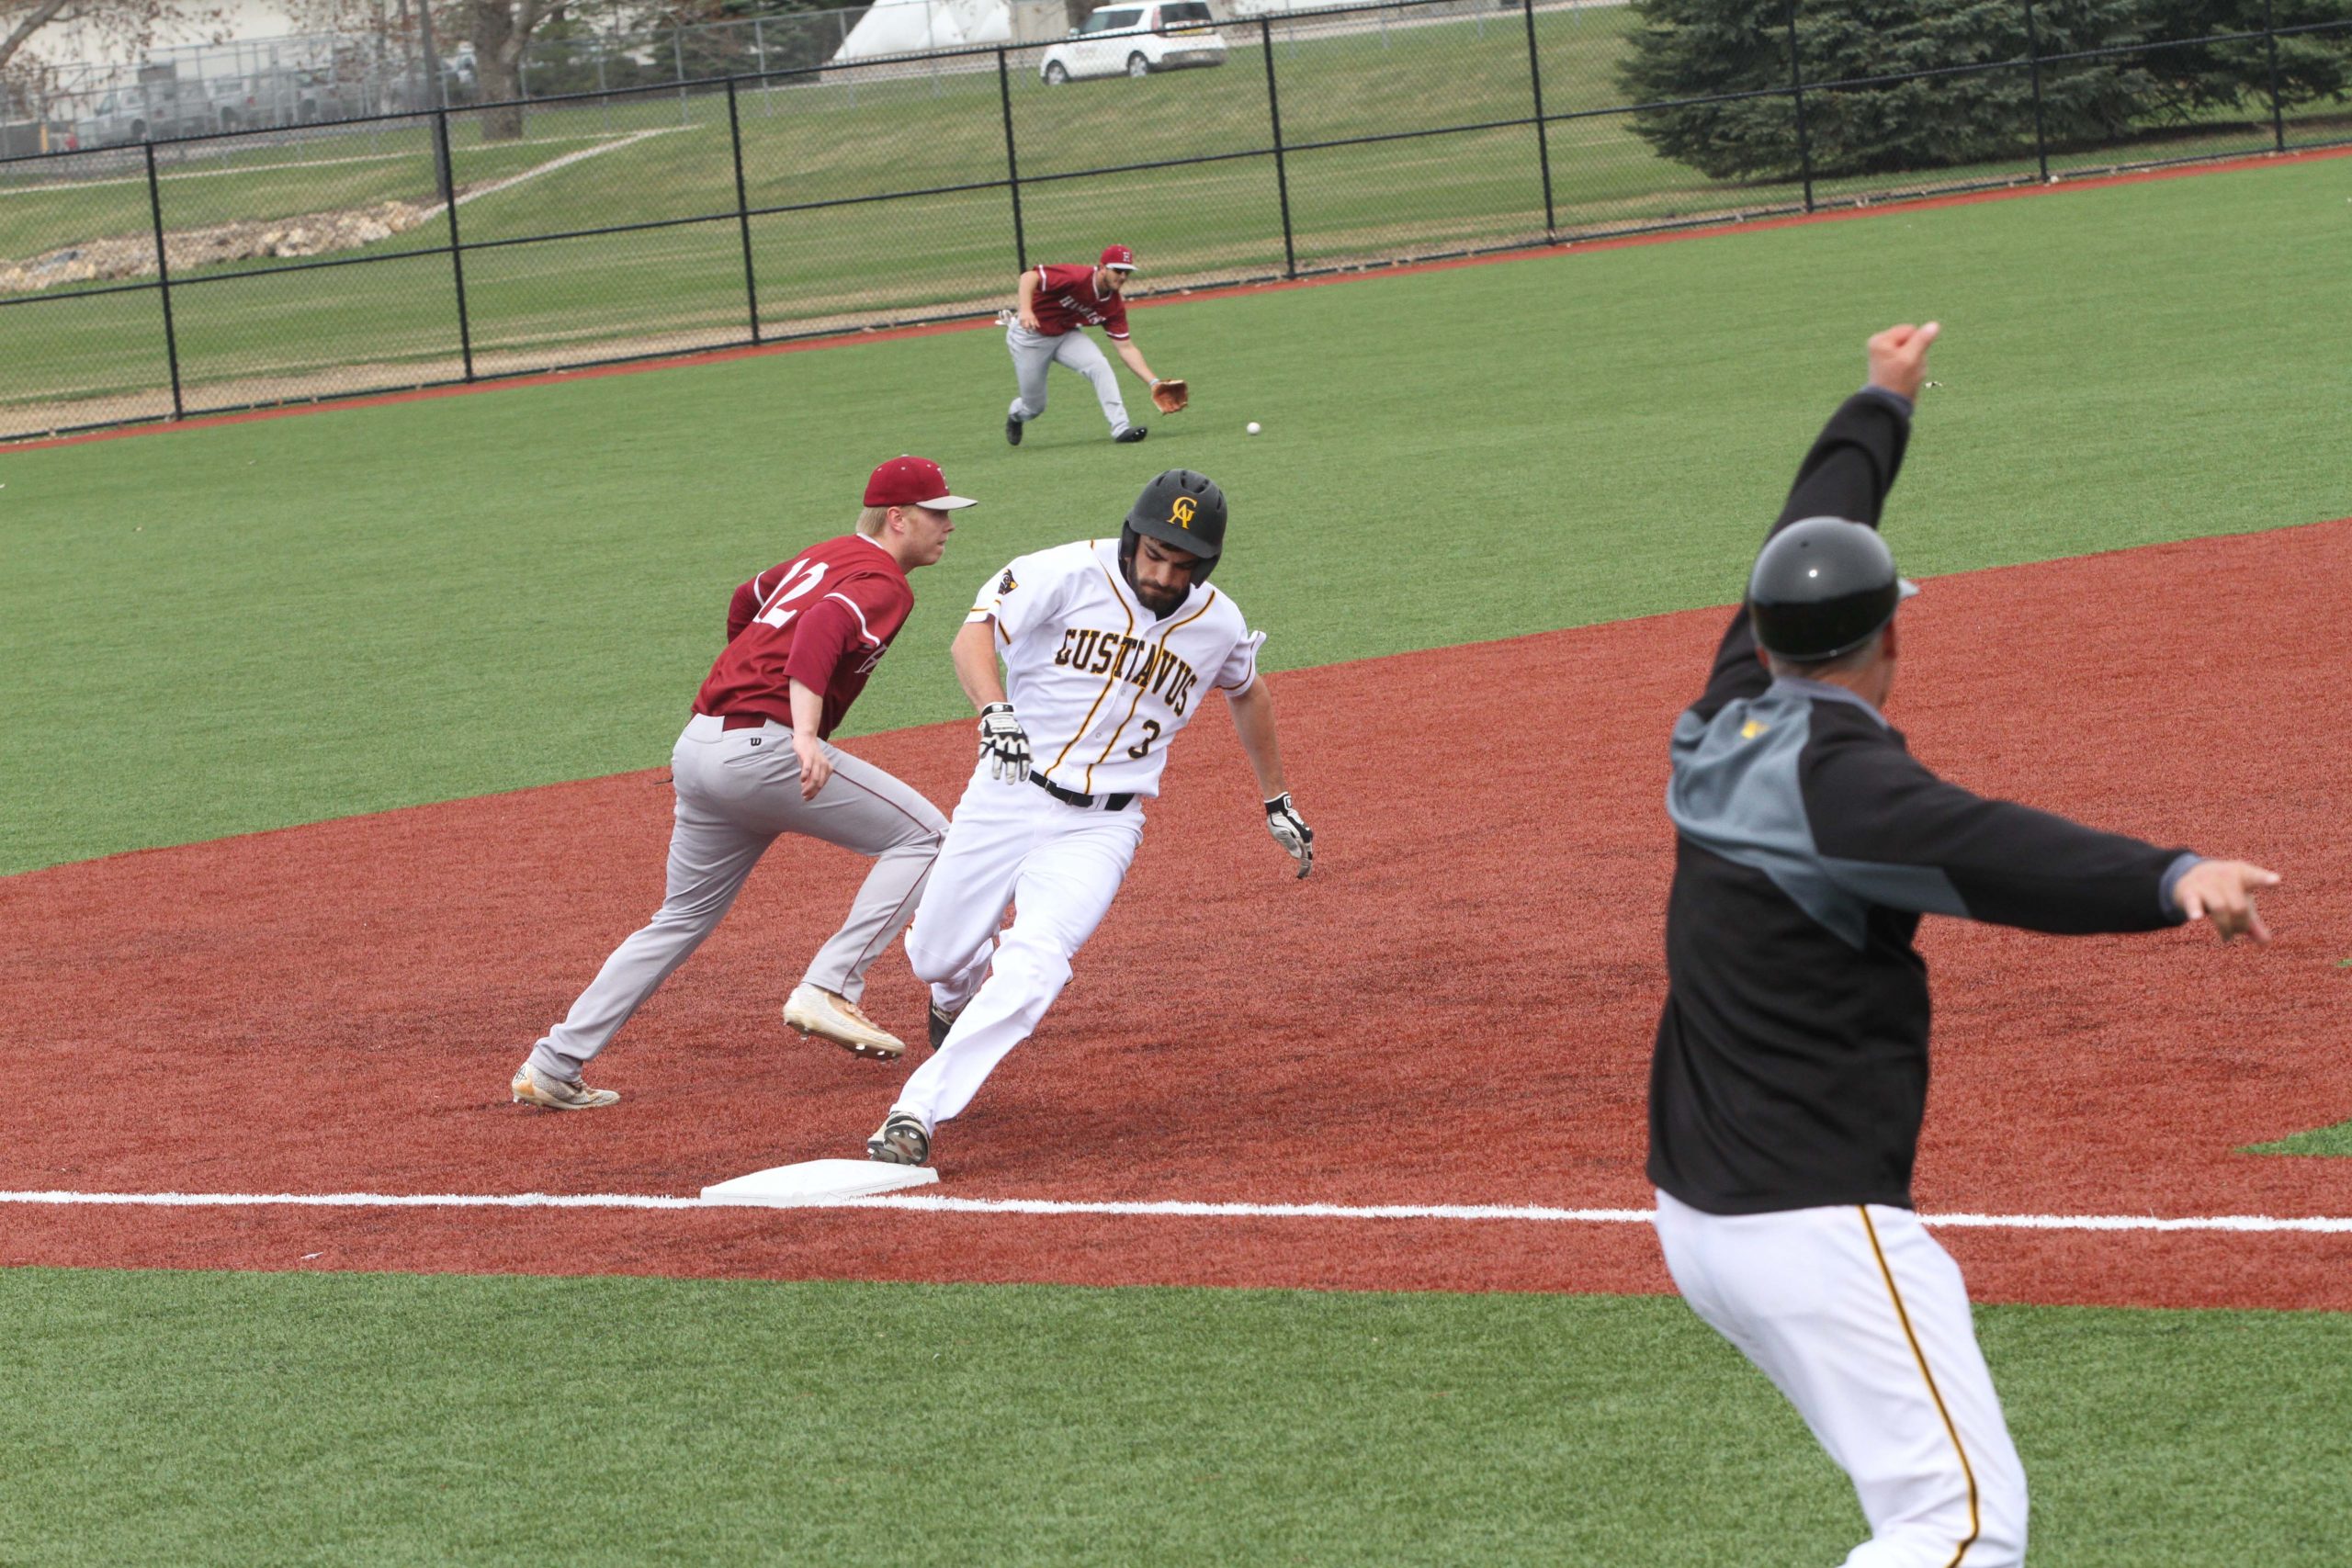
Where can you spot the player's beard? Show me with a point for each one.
(1162, 601)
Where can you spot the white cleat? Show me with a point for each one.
(816, 1011)
(532, 1087)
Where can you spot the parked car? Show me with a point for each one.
(159, 106)
(286, 95)
(1136, 40)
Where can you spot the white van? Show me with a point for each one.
(1136, 40)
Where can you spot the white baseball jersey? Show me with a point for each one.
(1100, 684)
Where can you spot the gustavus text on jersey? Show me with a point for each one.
(1129, 659)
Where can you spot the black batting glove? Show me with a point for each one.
(1291, 831)
(1004, 743)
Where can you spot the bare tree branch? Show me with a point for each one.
(43, 13)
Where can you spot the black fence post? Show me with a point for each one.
(457, 252)
(2277, 112)
(743, 211)
(163, 272)
(1011, 164)
(2033, 56)
(1282, 169)
(1796, 86)
(1542, 143)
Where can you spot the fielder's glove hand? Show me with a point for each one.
(1291, 831)
(1004, 743)
(1171, 396)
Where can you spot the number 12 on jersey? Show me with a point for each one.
(800, 578)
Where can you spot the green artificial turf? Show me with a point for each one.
(660, 156)
(390, 1418)
(2336, 1140)
(221, 630)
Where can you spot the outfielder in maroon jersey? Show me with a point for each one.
(1056, 304)
(753, 762)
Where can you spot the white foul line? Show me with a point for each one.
(2317, 1224)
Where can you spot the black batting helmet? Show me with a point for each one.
(1181, 508)
(1823, 587)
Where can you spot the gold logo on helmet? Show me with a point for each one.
(1180, 512)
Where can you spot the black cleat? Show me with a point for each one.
(1132, 433)
(1012, 430)
(941, 1022)
(900, 1141)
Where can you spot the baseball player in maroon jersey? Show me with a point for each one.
(1057, 303)
(753, 762)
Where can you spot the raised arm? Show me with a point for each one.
(1848, 473)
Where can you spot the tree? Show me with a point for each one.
(2193, 75)
(1713, 49)
(128, 24)
(501, 32)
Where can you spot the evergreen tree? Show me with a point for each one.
(1709, 48)
(2193, 76)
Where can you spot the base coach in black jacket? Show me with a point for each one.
(1791, 1071)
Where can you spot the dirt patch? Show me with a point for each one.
(1456, 1009)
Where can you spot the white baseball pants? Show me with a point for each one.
(1860, 1318)
(1031, 352)
(1059, 865)
(737, 789)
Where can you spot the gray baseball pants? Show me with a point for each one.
(737, 789)
(1031, 352)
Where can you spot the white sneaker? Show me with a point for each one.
(815, 1010)
(532, 1087)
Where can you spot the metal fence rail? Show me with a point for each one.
(395, 250)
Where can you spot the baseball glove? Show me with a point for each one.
(1170, 397)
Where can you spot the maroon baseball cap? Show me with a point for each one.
(912, 481)
(1119, 256)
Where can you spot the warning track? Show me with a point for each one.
(1253, 1081)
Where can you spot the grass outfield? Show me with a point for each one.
(655, 159)
(315, 617)
(387, 1418)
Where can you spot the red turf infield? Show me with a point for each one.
(1456, 1009)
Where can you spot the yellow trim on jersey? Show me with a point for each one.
(1966, 1470)
(1109, 680)
(1149, 665)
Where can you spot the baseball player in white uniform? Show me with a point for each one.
(1109, 646)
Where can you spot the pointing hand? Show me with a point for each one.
(2222, 891)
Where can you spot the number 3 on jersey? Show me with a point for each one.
(800, 578)
(1150, 734)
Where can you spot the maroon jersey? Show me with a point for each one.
(1066, 300)
(824, 618)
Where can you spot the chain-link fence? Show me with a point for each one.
(682, 212)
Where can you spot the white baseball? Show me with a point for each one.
(1251, 427)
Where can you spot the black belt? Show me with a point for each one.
(1083, 801)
